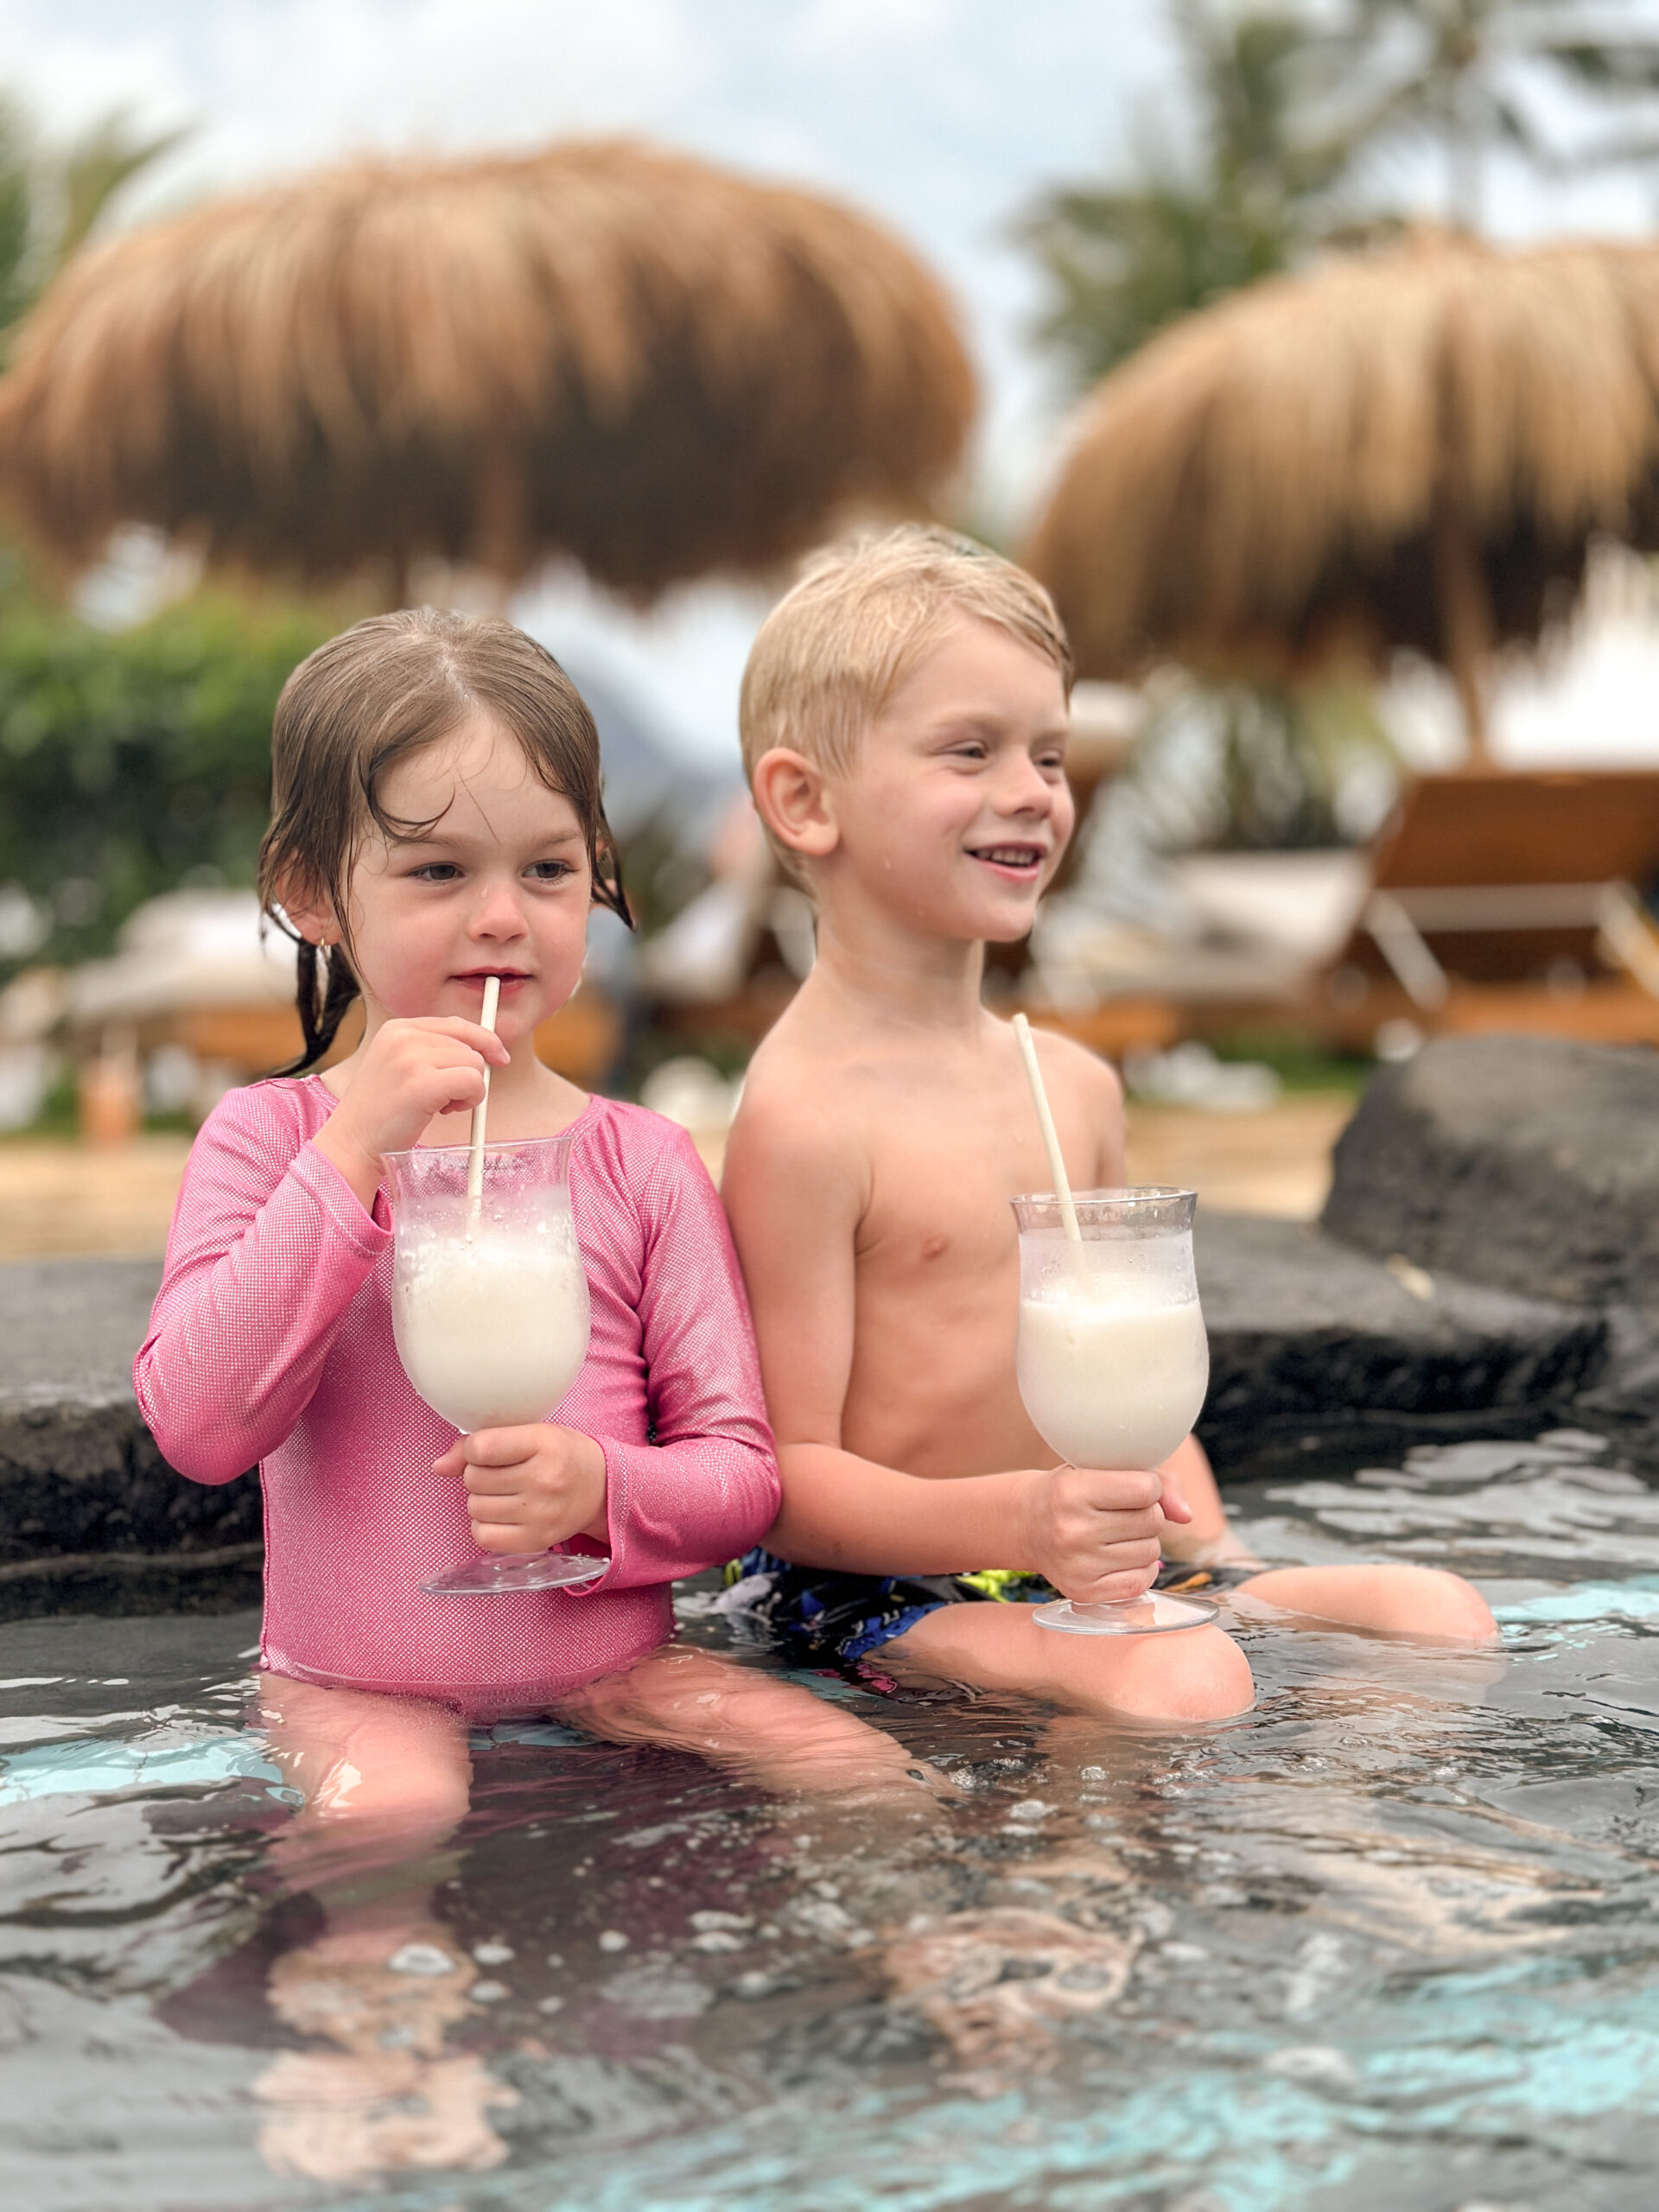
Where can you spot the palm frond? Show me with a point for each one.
(99, 163)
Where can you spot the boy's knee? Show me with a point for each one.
(1198, 1675)
(1395, 1599)
(1208, 1673)
(1437, 1602)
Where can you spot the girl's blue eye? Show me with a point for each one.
(550, 870)
(436, 871)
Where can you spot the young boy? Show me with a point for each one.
(904, 720)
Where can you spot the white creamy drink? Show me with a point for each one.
(1108, 1380)
(491, 1331)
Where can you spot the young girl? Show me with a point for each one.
(437, 820)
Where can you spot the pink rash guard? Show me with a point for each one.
(271, 1340)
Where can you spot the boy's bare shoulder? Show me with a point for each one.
(798, 1110)
(1075, 1064)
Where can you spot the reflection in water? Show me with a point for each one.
(1387, 1940)
(995, 1983)
(383, 1783)
(382, 1984)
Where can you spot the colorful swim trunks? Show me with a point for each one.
(820, 1618)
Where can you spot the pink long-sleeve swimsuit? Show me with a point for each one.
(271, 1342)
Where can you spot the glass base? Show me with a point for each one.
(1156, 1614)
(493, 1571)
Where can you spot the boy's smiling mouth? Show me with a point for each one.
(1013, 858)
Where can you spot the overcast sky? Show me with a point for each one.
(945, 117)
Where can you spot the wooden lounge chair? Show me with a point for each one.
(1518, 900)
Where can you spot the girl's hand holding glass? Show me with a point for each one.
(409, 1072)
(531, 1487)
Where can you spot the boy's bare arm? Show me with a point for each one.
(795, 1189)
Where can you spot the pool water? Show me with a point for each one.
(1391, 1940)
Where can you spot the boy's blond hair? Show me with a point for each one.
(836, 648)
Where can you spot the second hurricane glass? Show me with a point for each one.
(1113, 1362)
(489, 1308)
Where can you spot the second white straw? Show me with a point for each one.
(481, 1111)
(1045, 1122)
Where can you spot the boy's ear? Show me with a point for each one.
(793, 798)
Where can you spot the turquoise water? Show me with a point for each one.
(1388, 1941)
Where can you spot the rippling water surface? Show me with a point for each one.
(1388, 1941)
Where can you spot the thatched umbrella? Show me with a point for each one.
(1409, 448)
(604, 349)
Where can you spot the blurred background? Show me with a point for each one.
(1309, 352)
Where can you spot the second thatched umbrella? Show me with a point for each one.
(1412, 448)
(604, 351)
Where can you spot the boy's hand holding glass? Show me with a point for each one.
(1096, 1533)
(531, 1487)
(1111, 1355)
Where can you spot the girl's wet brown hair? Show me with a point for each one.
(368, 699)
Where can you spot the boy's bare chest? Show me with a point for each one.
(938, 1210)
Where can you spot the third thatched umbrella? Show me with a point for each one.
(603, 351)
(1410, 448)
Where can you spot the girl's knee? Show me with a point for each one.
(418, 1803)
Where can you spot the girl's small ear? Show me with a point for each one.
(792, 797)
(309, 912)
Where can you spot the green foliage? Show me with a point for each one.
(1230, 767)
(1296, 108)
(1125, 260)
(1466, 76)
(17, 224)
(130, 762)
(1300, 1060)
(95, 168)
(50, 199)
(1285, 759)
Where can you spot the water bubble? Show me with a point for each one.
(614, 1940)
(1314, 2064)
(420, 1958)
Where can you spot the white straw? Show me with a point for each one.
(481, 1111)
(1046, 1122)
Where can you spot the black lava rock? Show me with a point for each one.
(1530, 1163)
(91, 1517)
(1320, 1355)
